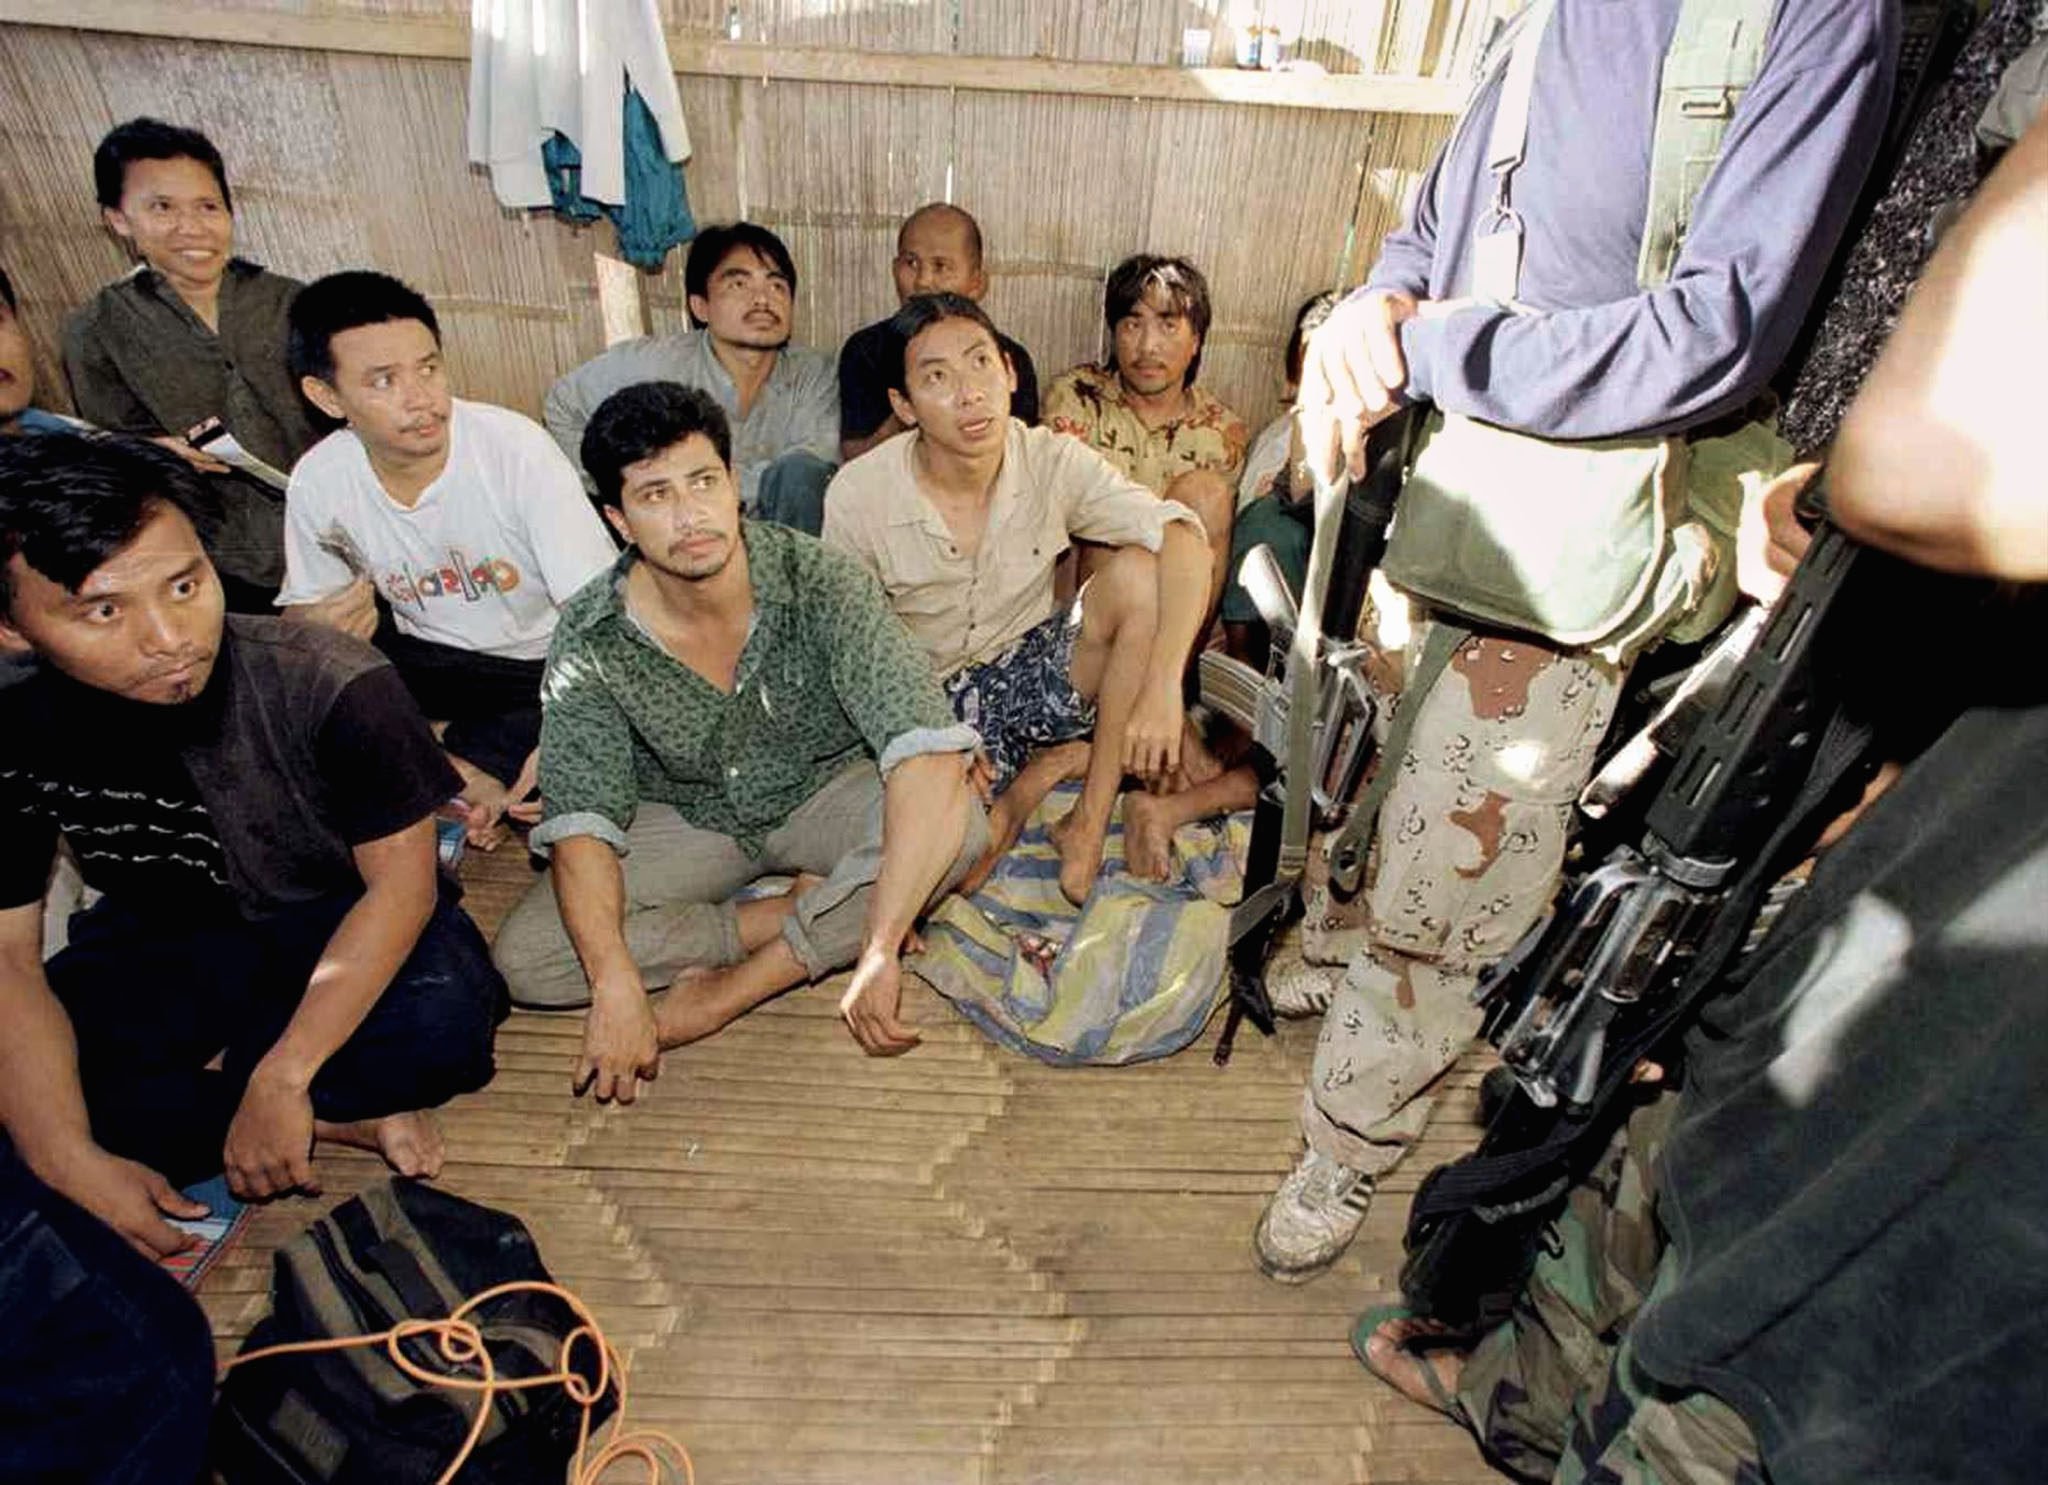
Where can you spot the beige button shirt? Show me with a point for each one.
(967, 609)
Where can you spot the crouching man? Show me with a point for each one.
(275, 960)
(734, 700)
(963, 520)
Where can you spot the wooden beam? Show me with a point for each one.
(705, 56)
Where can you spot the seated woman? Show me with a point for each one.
(193, 336)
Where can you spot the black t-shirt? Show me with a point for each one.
(1857, 1182)
(110, 776)
(864, 379)
(106, 773)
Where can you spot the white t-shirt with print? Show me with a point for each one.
(482, 562)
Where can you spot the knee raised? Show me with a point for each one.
(1208, 495)
(1126, 586)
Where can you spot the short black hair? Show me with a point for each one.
(1178, 279)
(7, 292)
(70, 501)
(639, 421)
(151, 139)
(918, 314)
(1314, 310)
(346, 301)
(948, 210)
(713, 244)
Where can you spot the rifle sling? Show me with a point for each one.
(1347, 847)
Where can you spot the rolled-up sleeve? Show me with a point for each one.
(586, 752)
(1102, 505)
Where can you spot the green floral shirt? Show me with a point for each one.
(828, 675)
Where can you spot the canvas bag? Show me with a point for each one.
(351, 1417)
(1607, 542)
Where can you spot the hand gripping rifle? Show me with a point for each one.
(1607, 979)
(1309, 714)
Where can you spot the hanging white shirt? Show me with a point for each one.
(482, 561)
(538, 67)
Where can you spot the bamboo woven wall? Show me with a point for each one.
(352, 160)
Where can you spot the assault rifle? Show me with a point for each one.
(1309, 714)
(1607, 980)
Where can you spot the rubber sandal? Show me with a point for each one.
(1416, 1347)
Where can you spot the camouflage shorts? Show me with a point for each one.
(1554, 1393)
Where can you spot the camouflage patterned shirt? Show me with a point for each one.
(828, 674)
(1088, 402)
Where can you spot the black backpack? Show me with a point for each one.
(352, 1417)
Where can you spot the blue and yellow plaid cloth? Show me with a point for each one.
(1132, 975)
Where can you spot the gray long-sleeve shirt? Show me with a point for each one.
(797, 408)
(1604, 357)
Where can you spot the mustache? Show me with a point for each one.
(171, 668)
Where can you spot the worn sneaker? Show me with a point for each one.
(1311, 1219)
(1299, 989)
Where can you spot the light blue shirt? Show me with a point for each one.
(797, 408)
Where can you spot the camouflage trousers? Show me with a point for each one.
(1554, 1394)
(1466, 855)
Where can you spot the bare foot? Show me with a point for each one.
(1421, 1373)
(1148, 836)
(411, 1144)
(693, 1008)
(1080, 847)
(1014, 806)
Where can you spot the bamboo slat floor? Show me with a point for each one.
(958, 1267)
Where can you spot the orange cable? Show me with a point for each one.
(462, 1344)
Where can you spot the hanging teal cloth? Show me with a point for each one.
(655, 216)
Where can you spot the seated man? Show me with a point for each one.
(276, 959)
(464, 518)
(963, 523)
(192, 336)
(18, 412)
(1143, 411)
(733, 700)
(781, 401)
(938, 251)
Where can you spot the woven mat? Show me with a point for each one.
(955, 1266)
